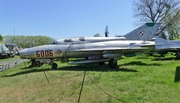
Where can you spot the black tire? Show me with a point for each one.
(113, 63)
(65, 60)
(177, 56)
(101, 63)
(54, 66)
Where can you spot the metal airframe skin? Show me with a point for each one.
(94, 49)
(101, 50)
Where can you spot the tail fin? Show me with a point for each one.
(144, 32)
(106, 31)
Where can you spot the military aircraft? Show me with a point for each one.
(4, 51)
(108, 51)
(94, 49)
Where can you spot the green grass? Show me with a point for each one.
(139, 79)
(7, 59)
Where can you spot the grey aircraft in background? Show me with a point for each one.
(93, 49)
(162, 46)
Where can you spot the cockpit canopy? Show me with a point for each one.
(86, 39)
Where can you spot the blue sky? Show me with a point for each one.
(66, 18)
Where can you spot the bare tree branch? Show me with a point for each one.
(157, 11)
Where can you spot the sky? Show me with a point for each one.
(66, 18)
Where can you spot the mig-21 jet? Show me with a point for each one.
(94, 52)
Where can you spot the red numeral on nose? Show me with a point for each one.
(44, 53)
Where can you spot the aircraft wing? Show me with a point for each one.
(107, 49)
(143, 46)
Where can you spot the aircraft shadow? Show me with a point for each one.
(82, 67)
(95, 67)
(164, 59)
(177, 74)
(140, 63)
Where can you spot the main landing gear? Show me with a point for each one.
(63, 60)
(113, 63)
(54, 65)
(177, 55)
(35, 63)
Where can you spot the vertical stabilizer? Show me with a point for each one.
(106, 31)
(144, 32)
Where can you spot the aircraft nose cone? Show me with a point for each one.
(23, 53)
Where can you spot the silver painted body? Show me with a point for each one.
(94, 49)
(108, 49)
(143, 32)
(81, 40)
(165, 46)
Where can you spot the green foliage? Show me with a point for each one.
(1, 38)
(136, 81)
(173, 29)
(28, 41)
(166, 12)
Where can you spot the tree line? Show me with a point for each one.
(27, 41)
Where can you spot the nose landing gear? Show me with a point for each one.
(54, 65)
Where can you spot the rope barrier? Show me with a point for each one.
(84, 72)
(81, 86)
(105, 91)
(64, 77)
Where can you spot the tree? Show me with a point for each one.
(157, 11)
(174, 29)
(97, 35)
(28, 41)
(1, 38)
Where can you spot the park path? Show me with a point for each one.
(10, 63)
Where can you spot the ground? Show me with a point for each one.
(137, 79)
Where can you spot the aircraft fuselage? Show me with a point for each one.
(86, 50)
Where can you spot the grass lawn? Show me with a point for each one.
(7, 59)
(137, 79)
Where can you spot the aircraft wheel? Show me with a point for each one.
(33, 64)
(177, 56)
(101, 63)
(54, 66)
(36, 64)
(65, 60)
(113, 63)
(162, 55)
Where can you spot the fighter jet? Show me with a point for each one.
(94, 49)
(98, 52)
